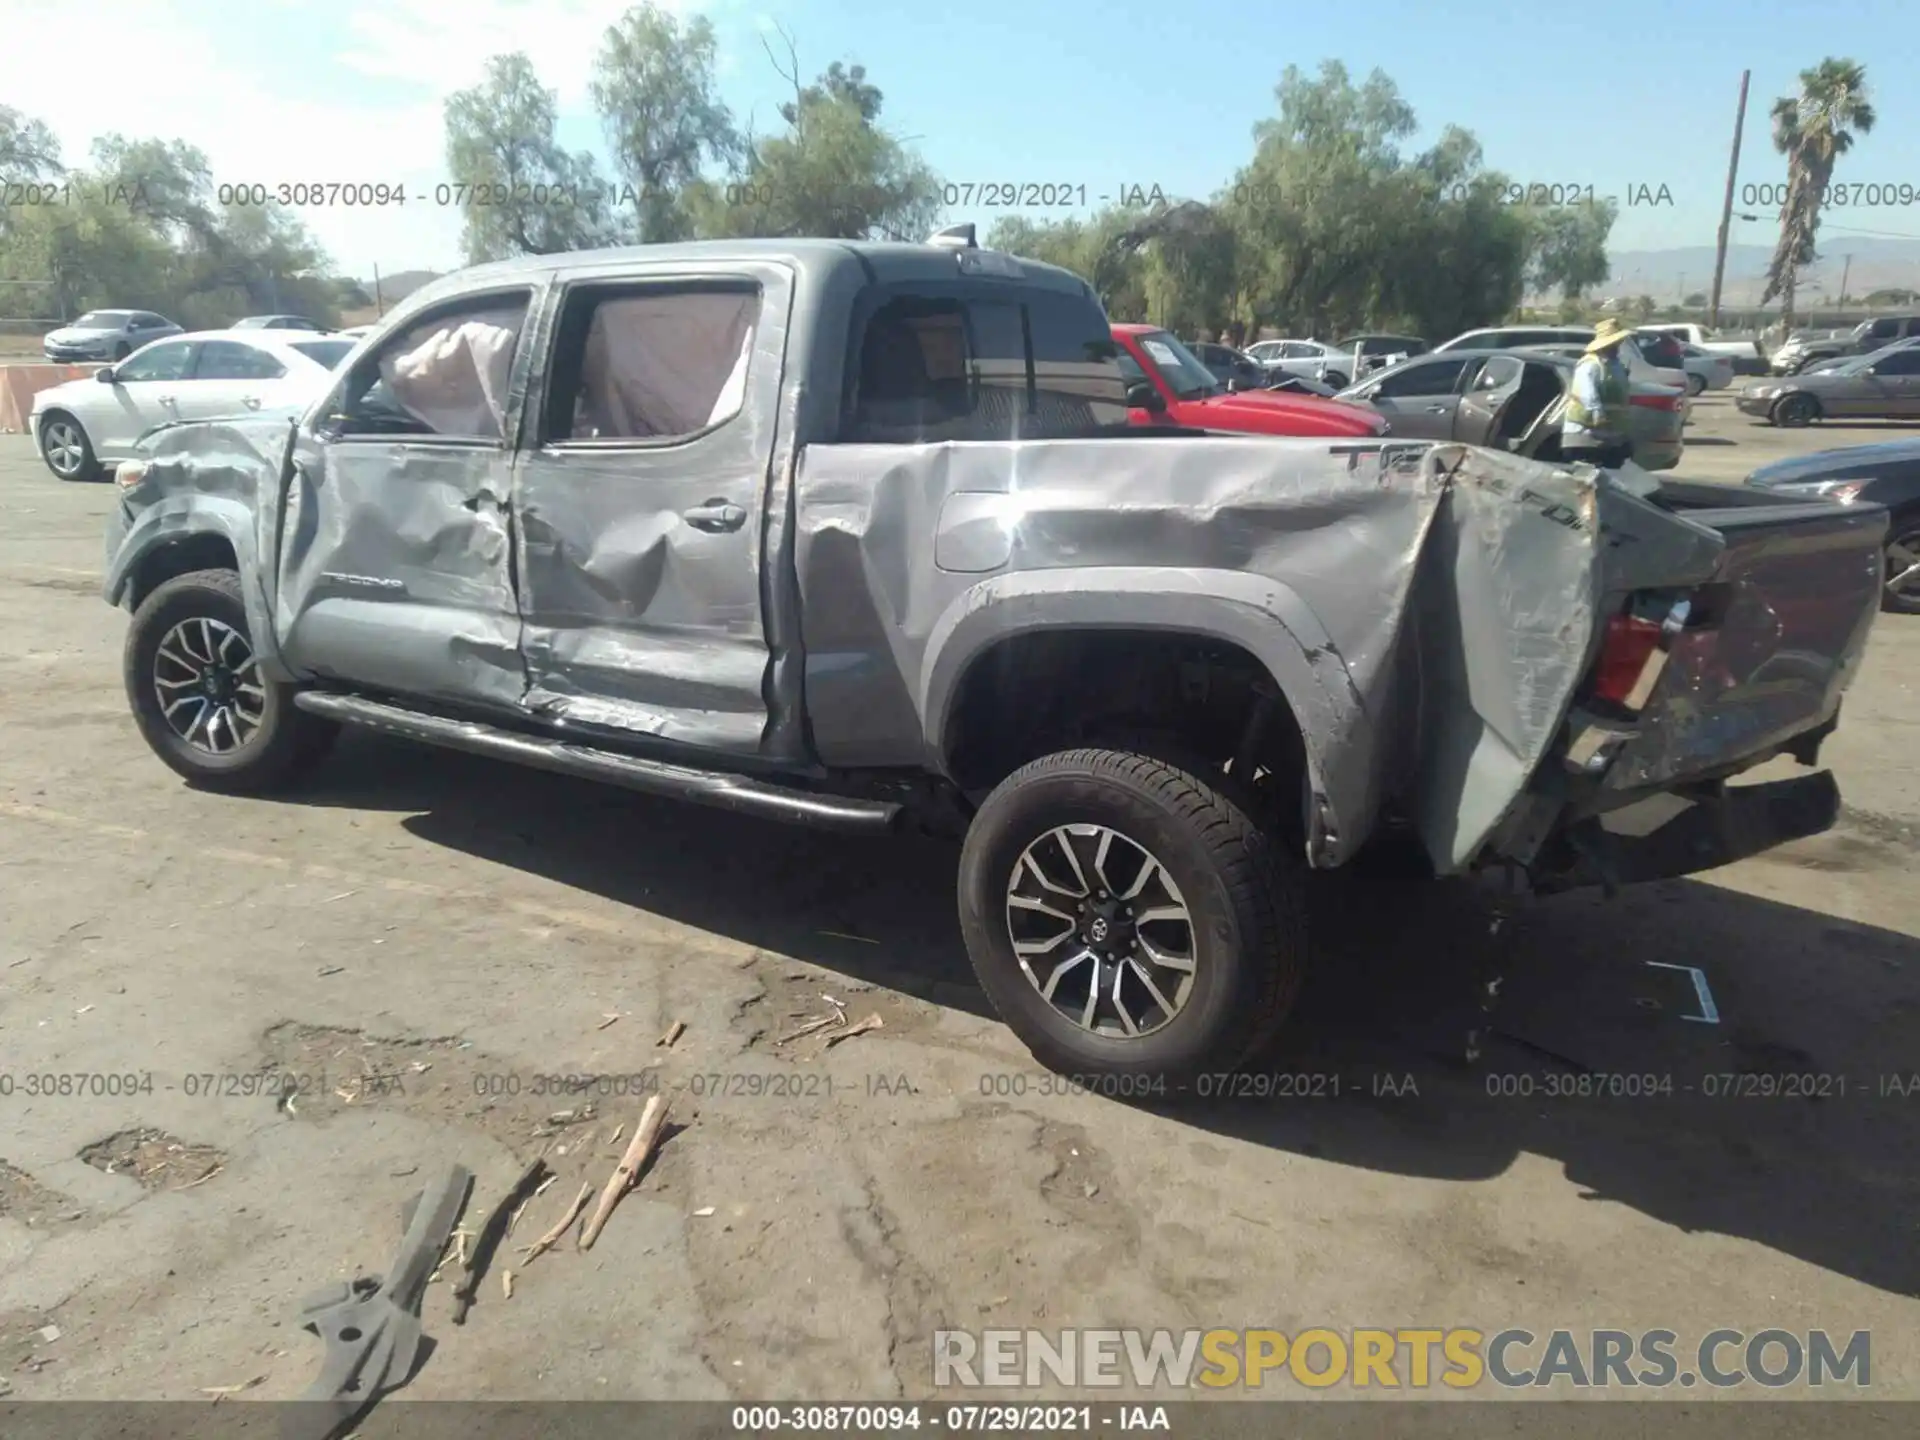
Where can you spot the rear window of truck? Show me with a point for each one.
(1000, 364)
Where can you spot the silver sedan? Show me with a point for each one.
(84, 425)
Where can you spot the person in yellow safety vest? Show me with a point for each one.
(1595, 428)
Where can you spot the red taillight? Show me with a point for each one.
(1630, 643)
(1657, 402)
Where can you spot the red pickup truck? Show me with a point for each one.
(1166, 385)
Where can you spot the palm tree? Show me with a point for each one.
(1812, 129)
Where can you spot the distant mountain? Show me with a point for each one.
(1668, 275)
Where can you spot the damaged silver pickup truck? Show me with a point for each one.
(858, 535)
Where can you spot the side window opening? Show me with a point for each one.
(445, 376)
(663, 362)
(1037, 366)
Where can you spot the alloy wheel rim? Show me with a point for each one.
(1101, 931)
(1903, 565)
(63, 447)
(209, 686)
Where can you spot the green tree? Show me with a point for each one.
(28, 149)
(1812, 129)
(1568, 248)
(523, 194)
(654, 86)
(834, 172)
(1695, 299)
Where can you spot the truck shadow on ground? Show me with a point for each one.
(1793, 1122)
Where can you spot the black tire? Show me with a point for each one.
(1903, 533)
(1242, 888)
(59, 424)
(287, 741)
(1336, 380)
(1696, 385)
(1794, 412)
(120, 352)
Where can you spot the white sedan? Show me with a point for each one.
(1705, 369)
(85, 425)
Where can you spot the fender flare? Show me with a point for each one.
(1261, 616)
(187, 517)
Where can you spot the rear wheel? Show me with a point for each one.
(1337, 380)
(198, 694)
(65, 447)
(1902, 592)
(1795, 412)
(1129, 918)
(1696, 384)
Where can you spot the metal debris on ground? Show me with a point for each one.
(646, 1137)
(674, 1032)
(371, 1327)
(492, 1231)
(843, 935)
(872, 1022)
(529, 1253)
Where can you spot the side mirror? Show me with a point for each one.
(1142, 396)
(105, 375)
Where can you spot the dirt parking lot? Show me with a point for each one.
(422, 941)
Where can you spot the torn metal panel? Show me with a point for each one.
(641, 531)
(1508, 609)
(396, 568)
(1301, 552)
(216, 478)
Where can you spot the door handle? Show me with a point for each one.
(252, 402)
(715, 516)
(1436, 409)
(164, 399)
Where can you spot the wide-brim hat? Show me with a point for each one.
(1606, 335)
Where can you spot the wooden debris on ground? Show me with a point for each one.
(872, 1022)
(646, 1138)
(530, 1253)
(674, 1032)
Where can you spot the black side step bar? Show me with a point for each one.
(656, 777)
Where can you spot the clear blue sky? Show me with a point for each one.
(1072, 92)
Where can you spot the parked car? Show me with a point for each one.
(668, 517)
(85, 424)
(1308, 358)
(1653, 359)
(1379, 350)
(1883, 385)
(276, 322)
(1884, 474)
(1706, 370)
(1746, 356)
(1230, 366)
(1802, 350)
(1511, 400)
(105, 335)
(1167, 385)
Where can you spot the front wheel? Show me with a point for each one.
(199, 697)
(1129, 918)
(1902, 575)
(1795, 412)
(66, 449)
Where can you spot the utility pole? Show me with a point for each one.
(379, 306)
(1845, 271)
(1726, 209)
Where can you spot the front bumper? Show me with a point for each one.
(1748, 403)
(76, 355)
(1725, 824)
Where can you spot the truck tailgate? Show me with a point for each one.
(1777, 631)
